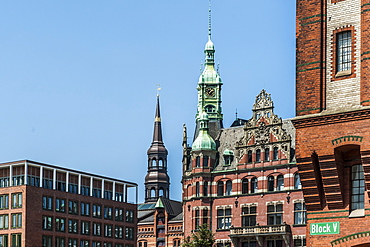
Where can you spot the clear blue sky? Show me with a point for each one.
(78, 78)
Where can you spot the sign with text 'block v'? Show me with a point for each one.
(324, 228)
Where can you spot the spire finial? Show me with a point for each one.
(236, 113)
(209, 20)
(158, 89)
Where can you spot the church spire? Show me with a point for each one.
(157, 181)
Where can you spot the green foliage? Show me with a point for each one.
(202, 237)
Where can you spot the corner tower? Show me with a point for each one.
(157, 181)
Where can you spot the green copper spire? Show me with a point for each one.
(209, 83)
(204, 141)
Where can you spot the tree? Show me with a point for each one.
(202, 237)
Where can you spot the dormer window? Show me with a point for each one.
(228, 157)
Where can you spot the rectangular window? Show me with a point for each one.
(108, 194)
(4, 242)
(4, 182)
(47, 203)
(96, 229)
(84, 243)
(85, 190)
(17, 220)
(108, 212)
(4, 221)
(118, 232)
(73, 188)
(119, 214)
(85, 228)
(60, 224)
(47, 223)
(358, 187)
(97, 192)
(96, 211)
(119, 197)
(61, 186)
(130, 216)
(47, 241)
(18, 180)
(108, 244)
(249, 215)
(300, 242)
(60, 205)
(17, 240)
(275, 214)
(73, 207)
(4, 201)
(60, 242)
(17, 200)
(96, 244)
(33, 180)
(224, 218)
(85, 209)
(118, 245)
(344, 51)
(72, 226)
(275, 243)
(299, 213)
(72, 242)
(129, 233)
(108, 231)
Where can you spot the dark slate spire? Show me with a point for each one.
(157, 182)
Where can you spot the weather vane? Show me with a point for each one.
(158, 88)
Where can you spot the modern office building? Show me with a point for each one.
(50, 206)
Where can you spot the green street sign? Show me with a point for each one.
(324, 228)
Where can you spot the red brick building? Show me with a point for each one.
(50, 206)
(333, 119)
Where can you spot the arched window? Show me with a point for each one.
(280, 183)
(258, 155)
(254, 185)
(297, 182)
(153, 163)
(160, 163)
(210, 109)
(245, 186)
(188, 191)
(205, 216)
(197, 161)
(229, 187)
(161, 192)
(152, 192)
(205, 161)
(249, 156)
(270, 183)
(205, 189)
(267, 154)
(220, 188)
(197, 192)
(276, 153)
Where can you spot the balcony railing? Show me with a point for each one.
(260, 230)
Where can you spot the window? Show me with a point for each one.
(358, 187)
(84, 243)
(61, 186)
(18, 180)
(254, 185)
(85, 228)
(47, 223)
(220, 188)
(344, 51)
(85, 209)
(130, 216)
(47, 203)
(210, 109)
(96, 229)
(275, 243)
(4, 240)
(244, 186)
(108, 244)
(224, 218)
(60, 205)
(85, 190)
(249, 156)
(205, 216)
(33, 181)
(17, 240)
(118, 232)
(176, 242)
(73, 207)
(119, 245)
(197, 161)
(60, 224)
(280, 183)
(119, 214)
(4, 201)
(47, 183)
(205, 161)
(17, 220)
(72, 242)
(4, 182)
(228, 158)
(47, 241)
(108, 212)
(96, 244)
(275, 214)
(197, 219)
(4, 221)
(108, 194)
(249, 243)
(229, 187)
(108, 231)
(299, 213)
(197, 189)
(73, 188)
(143, 244)
(270, 183)
(96, 192)
(96, 211)
(205, 189)
(300, 241)
(297, 182)
(267, 154)
(60, 242)
(276, 153)
(258, 155)
(17, 200)
(129, 233)
(72, 226)
(249, 215)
